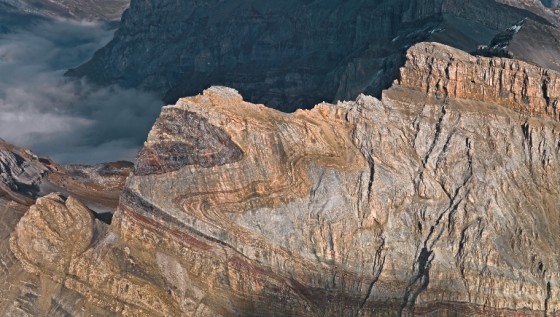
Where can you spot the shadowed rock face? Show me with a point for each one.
(21, 172)
(548, 9)
(287, 55)
(429, 201)
(184, 138)
(109, 10)
(529, 41)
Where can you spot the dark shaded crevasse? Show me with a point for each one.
(548, 297)
(419, 283)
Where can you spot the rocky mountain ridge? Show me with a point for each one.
(528, 41)
(505, 81)
(438, 199)
(287, 56)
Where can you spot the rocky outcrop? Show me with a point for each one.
(430, 201)
(439, 70)
(179, 48)
(21, 172)
(53, 231)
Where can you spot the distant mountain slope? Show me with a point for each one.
(75, 9)
(289, 55)
(529, 41)
(11, 18)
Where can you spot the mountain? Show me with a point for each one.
(11, 18)
(108, 10)
(529, 41)
(288, 55)
(24, 178)
(439, 199)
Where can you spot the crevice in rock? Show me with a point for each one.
(437, 132)
(545, 90)
(419, 282)
(371, 164)
(378, 265)
(547, 298)
(437, 135)
(105, 217)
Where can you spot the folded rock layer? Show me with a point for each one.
(431, 201)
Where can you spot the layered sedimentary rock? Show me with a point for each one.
(429, 201)
(438, 70)
(288, 55)
(21, 172)
(54, 226)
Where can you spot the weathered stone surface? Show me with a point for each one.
(423, 205)
(184, 138)
(24, 178)
(425, 202)
(440, 70)
(52, 233)
(21, 172)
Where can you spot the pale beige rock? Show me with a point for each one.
(52, 233)
(441, 70)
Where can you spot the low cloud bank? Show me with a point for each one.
(67, 119)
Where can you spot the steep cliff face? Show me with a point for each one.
(548, 9)
(288, 55)
(439, 199)
(437, 70)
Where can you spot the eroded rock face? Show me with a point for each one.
(412, 204)
(422, 203)
(287, 55)
(21, 172)
(184, 138)
(53, 231)
(438, 70)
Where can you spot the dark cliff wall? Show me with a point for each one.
(293, 53)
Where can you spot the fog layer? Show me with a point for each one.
(67, 119)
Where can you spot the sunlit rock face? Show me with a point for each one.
(439, 199)
(289, 54)
(52, 231)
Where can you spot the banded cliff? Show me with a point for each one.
(439, 199)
